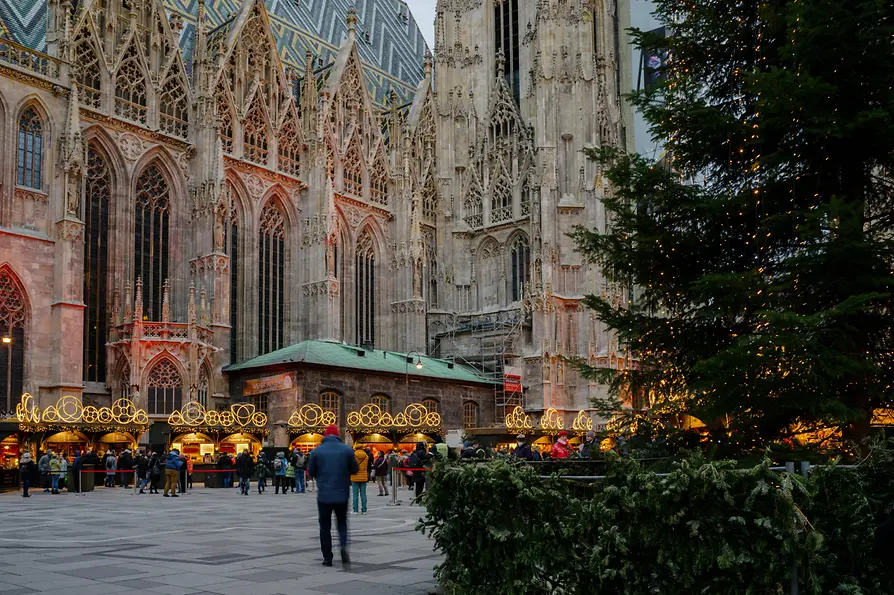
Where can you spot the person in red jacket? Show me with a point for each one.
(561, 449)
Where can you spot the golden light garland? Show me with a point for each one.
(413, 416)
(239, 415)
(70, 410)
(311, 416)
(582, 422)
(551, 420)
(883, 417)
(518, 420)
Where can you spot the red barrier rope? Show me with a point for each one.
(410, 469)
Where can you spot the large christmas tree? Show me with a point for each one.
(759, 249)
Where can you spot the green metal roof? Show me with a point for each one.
(340, 355)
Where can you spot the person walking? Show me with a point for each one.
(141, 472)
(224, 466)
(26, 469)
(244, 467)
(55, 465)
(360, 479)
(380, 468)
(111, 465)
(279, 473)
(125, 466)
(189, 467)
(154, 473)
(76, 467)
(172, 466)
(589, 449)
(440, 450)
(290, 479)
(299, 462)
(419, 460)
(43, 466)
(331, 466)
(523, 450)
(561, 449)
(263, 472)
(182, 472)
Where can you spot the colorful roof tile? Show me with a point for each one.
(388, 39)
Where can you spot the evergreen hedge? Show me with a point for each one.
(707, 527)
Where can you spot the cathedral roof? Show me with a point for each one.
(388, 38)
(340, 355)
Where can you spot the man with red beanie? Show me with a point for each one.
(331, 464)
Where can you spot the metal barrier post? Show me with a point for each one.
(394, 481)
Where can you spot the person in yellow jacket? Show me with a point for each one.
(360, 479)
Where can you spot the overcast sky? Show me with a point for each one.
(424, 13)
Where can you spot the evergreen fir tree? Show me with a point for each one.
(760, 247)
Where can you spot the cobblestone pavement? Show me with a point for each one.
(207, 541)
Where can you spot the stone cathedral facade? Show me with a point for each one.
(181, 190)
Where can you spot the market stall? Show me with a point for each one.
(306, 425)
(199, 433)
(382, 431)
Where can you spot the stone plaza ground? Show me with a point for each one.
(207, 541)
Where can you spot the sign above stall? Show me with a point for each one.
(240, 417)
(268, 384)
(414, 417)
(312, 415)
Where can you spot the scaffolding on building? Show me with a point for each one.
(487, 342)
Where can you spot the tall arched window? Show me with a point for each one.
(353, 171)
(204, 388)
(86, 64)
(489, 273)
(30, 149)
(12, 327)
(473, 208)
(432, 405)
(330, 401)
(173, 107)
(378, 183)
(224, 117)
(520, 256)
(271, 279)
(501, 201)
(164, 392)
(383, 402)
(231, 244)
(365, 290)
(97, 197)
(151, 238)
(506, 40)
(470, 414)
(289, 148)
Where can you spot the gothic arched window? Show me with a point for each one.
(255, 135)
(173, 108)
(231, 245)
(470, 414)
(12, 326)
(520, 257)
(432, 405)
(378, 184)
(329, 401)
(271, 279)
(429, 201)
(501, 200)
(525, 199)
(130, 88)
(506, 40)
(383, 402)
(86, 63)
(30, 149)
(164, 392)
(152, 238)
(353, 171)
(97, 197)
(224, 117)
(489, 273)
(365, 290)
(473, 209)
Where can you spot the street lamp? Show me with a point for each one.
(8, 342)
(408, 361)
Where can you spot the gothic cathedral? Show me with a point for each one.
(187, 184)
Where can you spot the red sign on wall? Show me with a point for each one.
(227, 447)
(512, 383)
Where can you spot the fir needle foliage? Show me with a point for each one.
(759, 249)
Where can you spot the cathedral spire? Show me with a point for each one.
(427, 63)
(166, 302)
(351, 21)
(138, 300)
(501, 64)
(191, 306)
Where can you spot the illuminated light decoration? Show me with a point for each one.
(518, 420)
(880, 417)
(551, 420)
(582, 422)
(311, 416)
(414, 416)
(69, 410)
(239, 416)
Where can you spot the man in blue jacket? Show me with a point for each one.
(172, 466)
(332, 464)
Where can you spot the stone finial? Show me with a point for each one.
(116, 307)
(501, 64)
(138, 300)
(204, 308)
(351, 20)
(427, 61)
(191, 307)
(166, 302)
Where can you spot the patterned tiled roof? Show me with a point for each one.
(388, 39)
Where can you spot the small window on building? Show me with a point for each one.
(432, 405)
(261, 402)
(382, 402)
(329, 401)
(470, 414)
